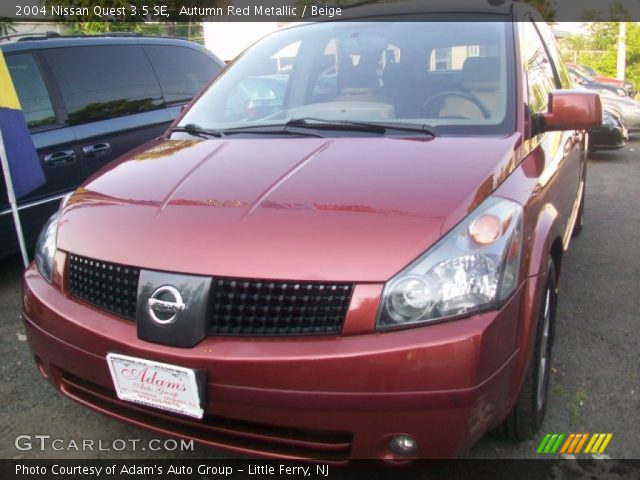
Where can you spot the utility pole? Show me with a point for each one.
(622, 50)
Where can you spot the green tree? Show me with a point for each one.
(599, 49)
(189, 30)
(545, 7)
(93, 25)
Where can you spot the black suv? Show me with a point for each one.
(87, 100)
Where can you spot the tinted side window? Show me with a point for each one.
(99, 82)
(540, 76)
(182, 71)
(31, 90)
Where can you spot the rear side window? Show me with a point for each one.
(31, 90)
(182, 71)
(100, 82)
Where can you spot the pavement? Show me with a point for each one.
(595, 382)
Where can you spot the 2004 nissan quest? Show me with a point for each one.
(347, 247)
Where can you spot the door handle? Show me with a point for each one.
(60, 158)
(96, 150)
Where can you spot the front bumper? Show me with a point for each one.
(607, 138)
(321, 398)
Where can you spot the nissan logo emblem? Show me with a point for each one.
(165, 304)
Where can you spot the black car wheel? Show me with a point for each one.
(525, 418)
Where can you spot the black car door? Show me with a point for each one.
(87, 104)
(112, 99)
(55, 145)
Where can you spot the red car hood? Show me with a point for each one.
(356, 209)
(609, 80)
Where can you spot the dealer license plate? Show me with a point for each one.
(156, 384)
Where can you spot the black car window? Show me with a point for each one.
(100, 82)
(182, 71)
(31, 89)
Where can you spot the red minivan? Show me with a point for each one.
(347, 247)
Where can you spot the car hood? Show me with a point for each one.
(608, 80)
(341, 209)
(625, 104)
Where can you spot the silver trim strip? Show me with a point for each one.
(36, 203)
(568, 233)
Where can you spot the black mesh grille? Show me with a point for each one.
(238, 307)
(252, 307)
(106, 285)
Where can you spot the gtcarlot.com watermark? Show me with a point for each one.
(48, 443)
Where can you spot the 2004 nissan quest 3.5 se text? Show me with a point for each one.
(347, 247)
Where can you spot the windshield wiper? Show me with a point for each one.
(302, 126)
(195, 130)
(270, 129)
(410, 127)
(321, 124)
(373, 127)
(276, 129)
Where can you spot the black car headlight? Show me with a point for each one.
(471, 269)
(46, 244)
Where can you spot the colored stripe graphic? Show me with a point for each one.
(550, 443)
(598, 442)
(568, 443)
(543, 443)
(574, 443)
(22, 159)
(583, 439)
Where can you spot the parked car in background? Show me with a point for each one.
(628, 86)
(362, 269)
(611, 135)
(627, 108)
(581, 77)
(258, 96)
(87, 100)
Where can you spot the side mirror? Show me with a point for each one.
(572, 110)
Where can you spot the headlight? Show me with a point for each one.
(46, 247)
(609, 121)
(622, 92)
(472, 268)
(46, 244)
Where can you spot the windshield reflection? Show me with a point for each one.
(453, 76)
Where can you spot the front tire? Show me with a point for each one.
(526, 417)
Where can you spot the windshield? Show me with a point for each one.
(456, 77)
(581, 74)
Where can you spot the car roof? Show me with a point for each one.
(38, 42)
